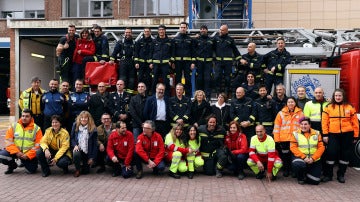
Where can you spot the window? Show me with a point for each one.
(157, 7)
(87, 8)
(22, 9)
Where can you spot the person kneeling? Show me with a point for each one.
(261, 153)
(307, 146)
(54, 148)
(120, 150)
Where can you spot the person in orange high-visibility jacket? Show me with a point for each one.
(286, 122)
(21, 142)
(307, 147)
(340, 130)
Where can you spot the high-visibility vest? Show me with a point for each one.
(25, 139)
(263, 148)
(307, 146)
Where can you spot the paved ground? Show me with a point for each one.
(20, 186)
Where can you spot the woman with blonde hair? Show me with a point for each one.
(200, 109)
(175, 150)
(84, 142)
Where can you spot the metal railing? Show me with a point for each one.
(216, 23)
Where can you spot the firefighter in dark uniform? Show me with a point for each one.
(125, 48)
(276, 62)
(101, 47)
(250, 62)
(265, 110)
(180, 107)
(64, 51)
(78, 102)
(242, 111)
(226, 52)
(119, 104)
(142, 57)
(211, 146)
(204, 48)
(184, 57)
(160, 52)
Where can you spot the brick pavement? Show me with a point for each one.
(20, 186)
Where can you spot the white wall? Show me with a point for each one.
(31, 66)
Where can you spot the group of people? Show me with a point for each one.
(151, 58)
(124, 129)
(255, 129)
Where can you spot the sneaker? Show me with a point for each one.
(341, 179)
(218, 173)
(326, 179)
(139, 174)
(174, 175)
(241, 175)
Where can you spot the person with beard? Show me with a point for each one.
(142, 57)
(101, 47)
(65, 51)
(53, 103)
(125, 49)
(136, 109)
(98, 103)
(183, 55)
(226, 54)
(204, 48)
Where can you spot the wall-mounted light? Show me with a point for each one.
(38, 55)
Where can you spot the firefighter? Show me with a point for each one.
(79, 101)
(307, 147)
(204, 48)
(22, 147)
(142, 57)
(183, 55)
(276, 62)
(211, 147)
(125, 48)
(265, 110)
(340, 127)
(65, 51)
(180, 107)
(160, 52)
(226, 53)
(101, 47)
(31, 99)
(119, 103)
(242, 111)
(263, 156)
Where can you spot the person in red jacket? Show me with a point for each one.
(120, 149)
(236, 143)
(85, 46)
(149, 149)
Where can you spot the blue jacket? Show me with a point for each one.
(92, 142)
(53, 103)
(150, 108)
(78, 101)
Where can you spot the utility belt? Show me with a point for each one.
(224, 58)
(161, 61)
(143, 60)
(183, 58)
(265, 123)
(204, 59)
(276, 74)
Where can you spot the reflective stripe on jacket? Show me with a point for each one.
(285, 123)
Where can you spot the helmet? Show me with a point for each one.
(357, 149)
